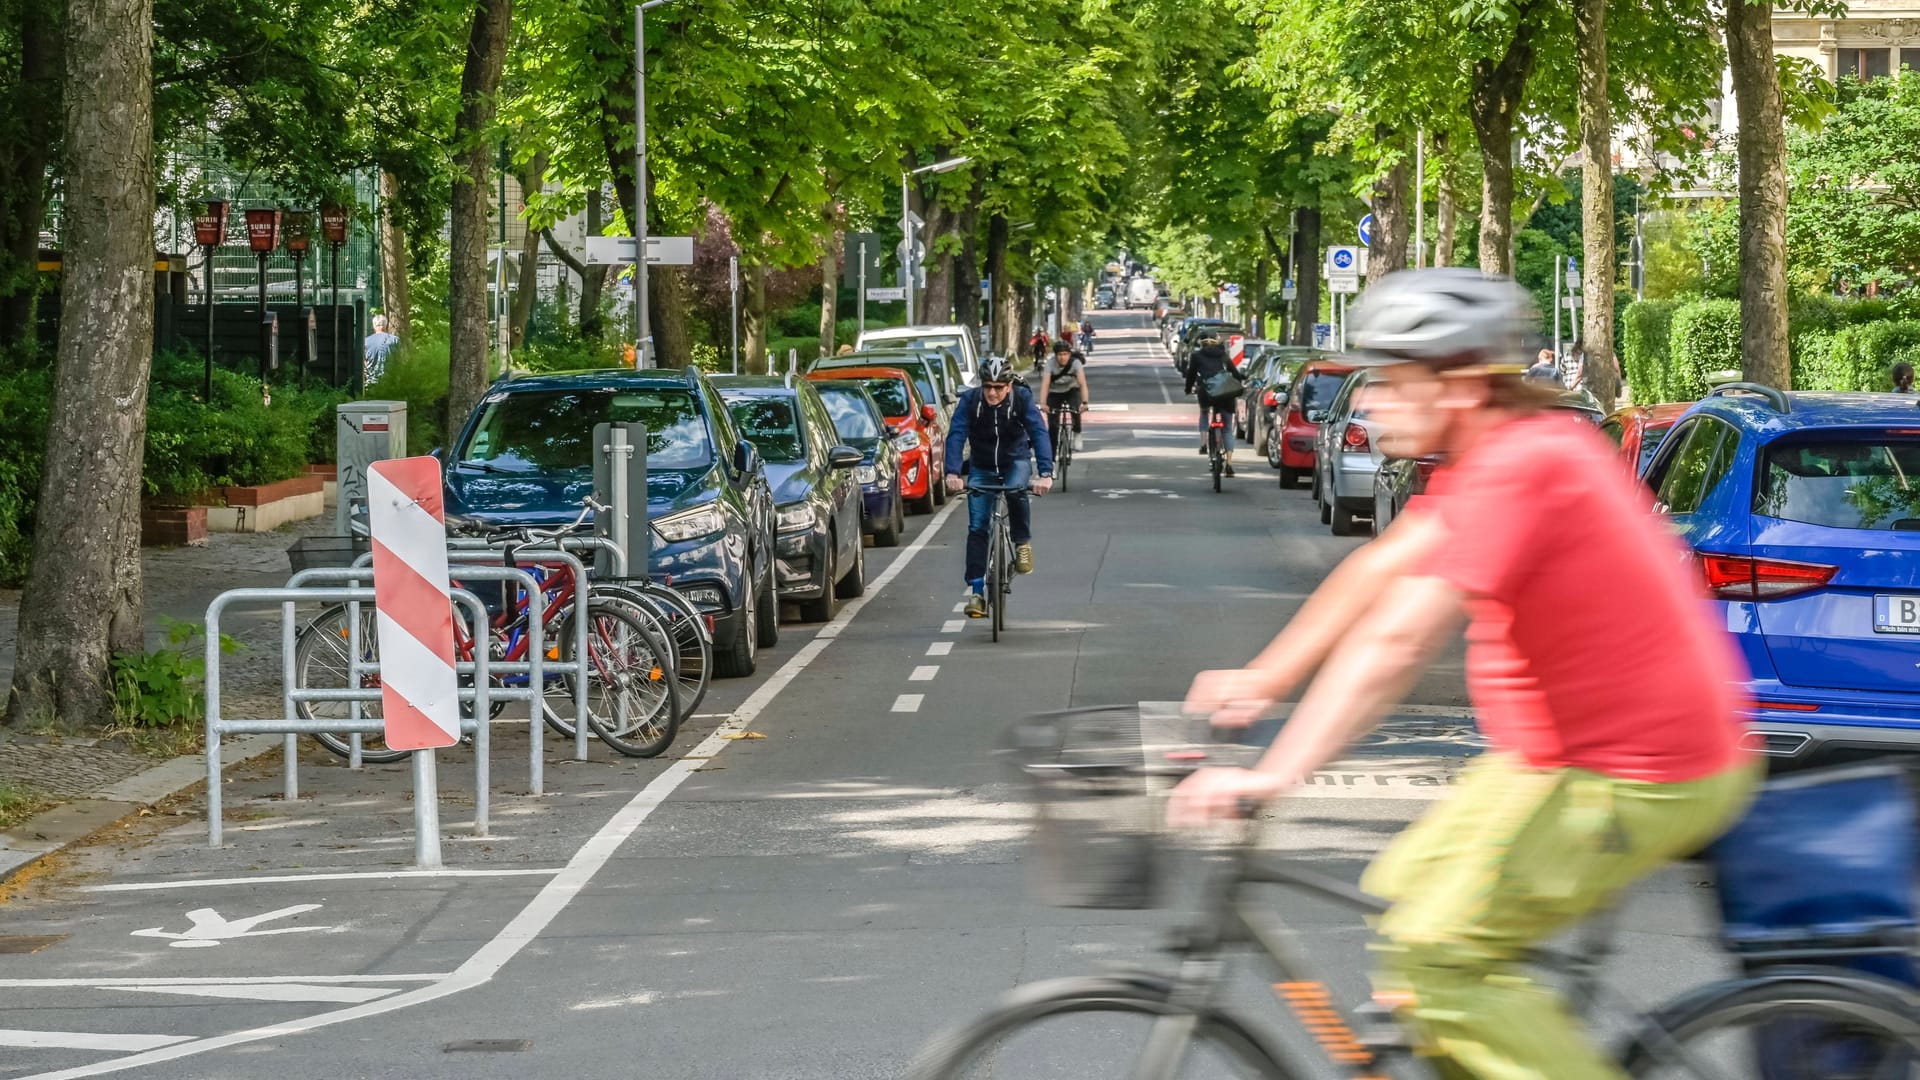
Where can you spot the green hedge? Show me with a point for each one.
(25, 399)
(1863, 356)
(1705, 339)
(1645, 327)
(242, 436)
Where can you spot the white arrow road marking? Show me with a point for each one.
(210, 928)
(86, 1040)
(270, 991)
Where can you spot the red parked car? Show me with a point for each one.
(1639, 429)
(1291, 449)
(918, 431)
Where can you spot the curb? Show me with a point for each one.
(73, 822)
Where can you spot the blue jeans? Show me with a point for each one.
(980, 513)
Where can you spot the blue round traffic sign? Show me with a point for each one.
(1366, 231)
(1342, 258)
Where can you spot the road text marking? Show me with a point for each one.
(210, 928)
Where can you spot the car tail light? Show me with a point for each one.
(1732, 577)
(1355, 438)
(1272, 400)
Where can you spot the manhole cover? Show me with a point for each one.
(488, 1046)
(21, 944)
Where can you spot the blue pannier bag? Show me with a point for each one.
(1821, 871)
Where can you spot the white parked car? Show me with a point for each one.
(1142, 293)
(953, 337)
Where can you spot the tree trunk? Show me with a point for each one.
(396, 300)
(36, 106)
(672, 332)
(1602, 372)
(829, 287)
(936, 300)
(468, 337)
(82, 600)
(1008, 329)
(593, 279)
(1025, 313)
(1763, 195)
(966, 266)
(1392, 221)
(527, 288)
(1444, 222)
(1493, 101)
(1306, 282)
(753, 318)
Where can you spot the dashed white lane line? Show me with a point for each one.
(908, 702)
(940, 648)
(953, 626)
(924, 673)
(961, 606)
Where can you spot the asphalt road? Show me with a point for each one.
(811, 903)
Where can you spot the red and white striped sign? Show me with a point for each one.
(1237, 349)
(419, 691)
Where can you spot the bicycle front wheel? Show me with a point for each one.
(632, 693)
(1099, 1026)
(685, 629)
(320, 662)
(1804, 1024)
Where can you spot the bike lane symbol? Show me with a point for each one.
(210, 928)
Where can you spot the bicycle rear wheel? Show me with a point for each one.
(685, 629)
(1003, 576)
(1099, 1026)
(632, 693)
(1804, 1024)
(320, 662)
(1215, 460)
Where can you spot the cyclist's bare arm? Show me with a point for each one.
(1085, 396)
(1238, 697)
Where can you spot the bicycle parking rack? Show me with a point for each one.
(534, 667)
(426, 807)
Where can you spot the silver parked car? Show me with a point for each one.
(1345, 457)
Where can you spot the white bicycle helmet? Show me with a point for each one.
(1444, 317)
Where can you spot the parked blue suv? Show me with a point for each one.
(525, 456)
(1803, 512)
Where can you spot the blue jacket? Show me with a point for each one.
(1000, 436)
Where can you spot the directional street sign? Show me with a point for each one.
(661, 250)
(886, 293)
(876, 250)
(1366, 231)
(1344, 267)
(1288, 291)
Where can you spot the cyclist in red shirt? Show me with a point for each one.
(1608, 695)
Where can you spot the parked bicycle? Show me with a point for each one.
(1094, 839)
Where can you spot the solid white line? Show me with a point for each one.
(110, 983)
(86, 1040)
(940, 648)
(908, 702)
(586, 862)
(924, 673)
(375, 875)
(269, 991)
(953, 626)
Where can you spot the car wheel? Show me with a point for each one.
(821, 609)
(1320, 496)
(889, 534)
(1289, 478)
(936, 490)
(1342, 521)
(769, 610)
(925, 503)
(738, 658)
(855, 581)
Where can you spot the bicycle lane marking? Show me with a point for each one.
(547, 905)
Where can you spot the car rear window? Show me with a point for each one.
(1857, 483)
(889, 394)
(770, 424)
(1317, 391)
(853, 419)
(541, 431)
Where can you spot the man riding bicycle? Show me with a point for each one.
(1064, 382)
(1607, 694)
(1003, 427)
(1206, 370)
(1086, 337)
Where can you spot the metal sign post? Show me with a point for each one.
(733, 326)
(860, 290)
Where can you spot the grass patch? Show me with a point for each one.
(18, 803)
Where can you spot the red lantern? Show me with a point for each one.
(333, 224)
(299, 230)
(263, 230)
(210, 228)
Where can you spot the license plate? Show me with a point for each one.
(1896, 614)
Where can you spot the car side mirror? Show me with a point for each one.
(929, 414)
(746, 459)
(844, 457)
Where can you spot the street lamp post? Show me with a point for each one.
(906, 221)
(643, 325)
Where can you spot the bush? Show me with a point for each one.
(567, 354)
(26, 397)
(1705, 339)
(800, 320)
(1863, 355)
(808, 346)
(1645, 327)
(416, 373)
(247, 434)
(167, 686)
(1813, 361)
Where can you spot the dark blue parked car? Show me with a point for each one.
(817, 500)
(1803, 512)
(857, 417)
(525, 456)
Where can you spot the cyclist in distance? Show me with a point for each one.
(1064, 382)
(1208, 361)
(997, 433)
(1086, 336)
(1607, 694)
